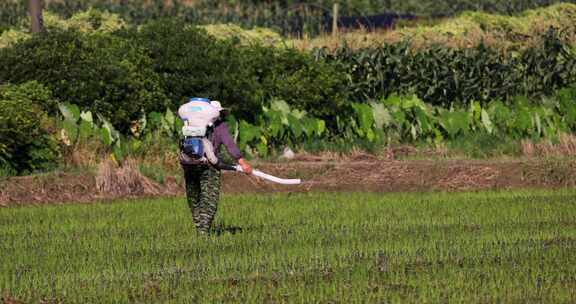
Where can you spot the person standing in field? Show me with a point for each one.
(204, 132)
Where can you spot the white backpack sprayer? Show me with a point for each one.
(199, 116)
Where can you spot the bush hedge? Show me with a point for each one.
(123, 74)
(102, 73)
(133, 71)
(190, 62)
(27, 142)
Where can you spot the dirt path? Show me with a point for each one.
(356, 175)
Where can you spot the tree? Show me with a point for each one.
(35, 11)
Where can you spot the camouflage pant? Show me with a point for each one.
(203, 193)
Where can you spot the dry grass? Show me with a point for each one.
(565, 147)
(125, 180)
(83, 156)
(389, 153)
(356, 154)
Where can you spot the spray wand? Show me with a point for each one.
(260, 174)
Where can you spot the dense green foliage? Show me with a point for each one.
(158, 66)
(306, 248)
(102, 73)
(164, 62)
(410, 120)
(311, 17)
(446, 76)
(192, 63)
(394, 120)
(121, 86)
(27, 142)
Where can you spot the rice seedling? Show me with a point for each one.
(312, 247)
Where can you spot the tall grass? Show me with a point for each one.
(316, 247)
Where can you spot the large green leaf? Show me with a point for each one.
(382, 116)
(486, 121)
(248, 132)
(155, 120)
(422, 120)
(454, 122)
(412, 102)
(393, 100)
(108, 133)
(71, 129)
(118, 153)
(262, 147)
(170, 119)
(320, 127)
(295, 125)
(299, 114)
(281, 106)
(143, 123)
(87, 116)
(86, 129)
(274, 121)
(308, 126)
(476, 111)
(364, 115)
(106, 136)
(523, 119)
(69, 111)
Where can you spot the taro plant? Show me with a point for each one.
(279, 126)
(78, 127)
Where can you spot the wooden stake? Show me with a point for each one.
(35, 11)
(335, 20)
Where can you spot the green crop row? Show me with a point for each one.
(497, 247)
(446, 76)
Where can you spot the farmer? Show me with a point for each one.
(204, 131)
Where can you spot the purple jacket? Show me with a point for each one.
(220, 136)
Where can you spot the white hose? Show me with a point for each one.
(272, 178)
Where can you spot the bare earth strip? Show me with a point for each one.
(358, 175)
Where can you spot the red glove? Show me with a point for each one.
(245, 166)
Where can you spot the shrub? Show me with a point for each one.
(262, 36)
(10, 37)
(102, 73)
(192, 63)
(292, 76)
(31, 91)
(26, 140)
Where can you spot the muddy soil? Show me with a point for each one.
(362, 174)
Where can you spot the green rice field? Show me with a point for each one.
(482, 247)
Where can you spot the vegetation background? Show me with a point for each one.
(103, 81)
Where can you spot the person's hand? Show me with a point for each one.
(245, 166)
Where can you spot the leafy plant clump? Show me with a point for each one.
(27, 134)
(445, 76)
(370, 126)
(101, 73)
(261, 36)
(190, 62)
